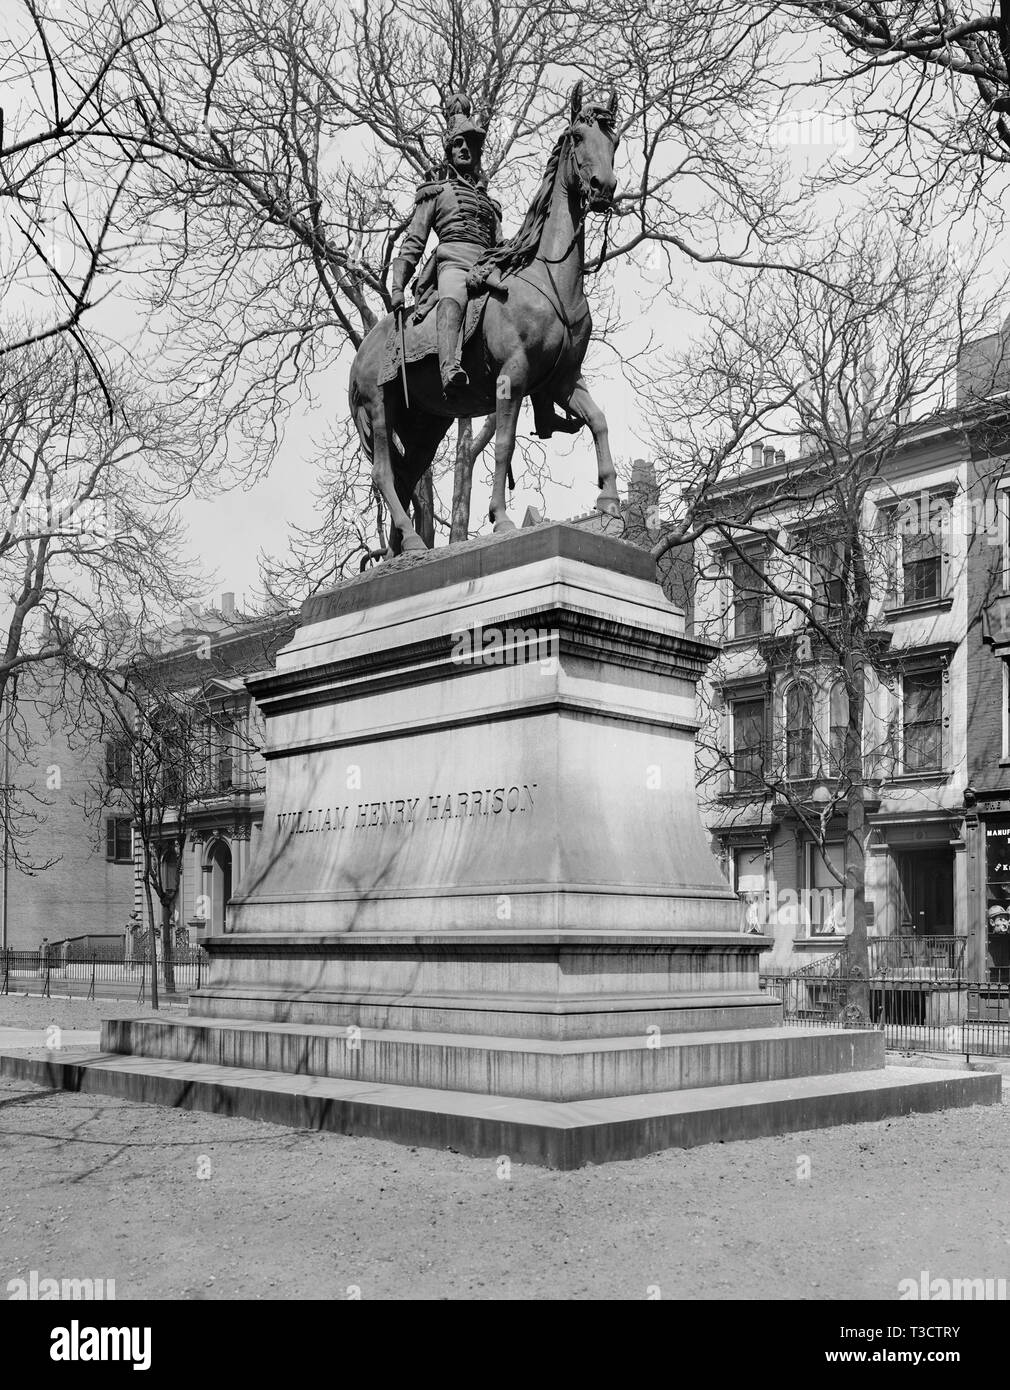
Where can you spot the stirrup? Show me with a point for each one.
(454, 378)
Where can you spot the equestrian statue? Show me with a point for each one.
(511, 318)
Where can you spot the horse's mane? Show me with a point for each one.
(521, 249)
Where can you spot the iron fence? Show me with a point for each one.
(47, 972)
(923, 956)
(918, 1011)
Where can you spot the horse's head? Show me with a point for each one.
(593, 142)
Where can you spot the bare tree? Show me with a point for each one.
(61, 187)
(88, 536)
(184, 746)
(279, 146)
(930, 83)
(834, 380)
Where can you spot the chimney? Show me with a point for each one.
(769, 456)
(780, 457)
(755, 455)
(983, 368)
(643, 475)
(643, 499)
(228, 605)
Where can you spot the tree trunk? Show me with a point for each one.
(424, 510)
(167, 945)
(462, 481)
(152, 936)
(858, 951)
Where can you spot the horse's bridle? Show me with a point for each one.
(584, 184)
(584, 209)
(557, 303)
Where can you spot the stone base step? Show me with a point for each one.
(537, 1069)
(551, 1133)
(610, 1014)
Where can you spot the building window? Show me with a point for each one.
(838, 716)
(218, 755)
(825, 895)
(922, 722)
(826, 586)
(748, 744)
(799, 730)
(224, 765)
(748, 596)
(915, 537)
(748, 869)
(118, 762)
(921, 567)
(997, 846)
(119, 839)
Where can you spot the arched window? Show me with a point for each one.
(799, 730)
(839, 723)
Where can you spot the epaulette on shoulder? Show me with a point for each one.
(428, 190)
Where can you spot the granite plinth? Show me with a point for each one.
(548, 1133)
(496, 751)
(483, 911)
(552, 985)
(584, 1069)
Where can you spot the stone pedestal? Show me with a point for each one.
(481, 814)
(483, 912)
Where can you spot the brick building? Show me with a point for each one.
(983, 386)
(69, 769)
(67, 867)
(205, 658)
(775, 704)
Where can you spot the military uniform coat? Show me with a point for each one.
(467, 223)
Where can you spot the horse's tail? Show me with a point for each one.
(362, 419)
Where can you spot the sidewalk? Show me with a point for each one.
(20, 1038)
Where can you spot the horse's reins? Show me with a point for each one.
(558, 304)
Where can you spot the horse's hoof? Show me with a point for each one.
(413, 545)
(500, 527)
(609, 506)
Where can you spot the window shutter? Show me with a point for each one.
(110, 838)
(889, 555)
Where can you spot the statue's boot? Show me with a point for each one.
(495, 284)
(546, 420)
(448, 322)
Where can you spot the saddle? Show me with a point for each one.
(421, 338)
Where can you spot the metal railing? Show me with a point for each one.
(47, 972)
(926, 956)
(927, 1013)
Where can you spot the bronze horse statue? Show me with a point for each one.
(530, 343)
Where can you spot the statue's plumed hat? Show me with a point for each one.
(459, 120)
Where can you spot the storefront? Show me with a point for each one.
(997, 899)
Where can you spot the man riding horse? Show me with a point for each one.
(527, 343)
(455, 206)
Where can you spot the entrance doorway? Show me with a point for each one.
(220, 884)
(926, 891)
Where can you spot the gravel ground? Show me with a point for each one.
(30, 1011)
(91, 1186)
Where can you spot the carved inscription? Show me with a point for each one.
(407, 812)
